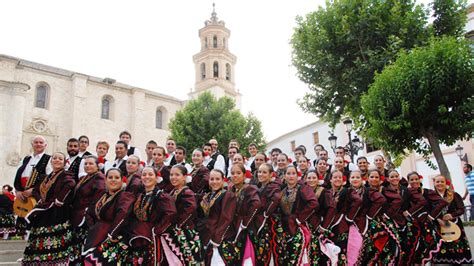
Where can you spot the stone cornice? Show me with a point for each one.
(13, 87)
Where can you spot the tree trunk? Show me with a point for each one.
(434, 144)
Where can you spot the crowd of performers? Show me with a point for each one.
(159, 210)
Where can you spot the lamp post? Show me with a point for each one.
(459, 152)
(354, 145)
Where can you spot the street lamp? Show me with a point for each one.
(354, 145)
(459, 151)
(332, 140)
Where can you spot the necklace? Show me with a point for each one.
(106, 198)
(288, 198)
(47, 183)
(208, 201)
(143, 205)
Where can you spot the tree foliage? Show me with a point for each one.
(338, 49)
(427, 93)
(205, 118)
(449, 17)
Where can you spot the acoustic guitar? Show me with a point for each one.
(449, 231)
(22, 208)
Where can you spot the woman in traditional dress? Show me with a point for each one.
(133, 183)
(297, 205)
(260, 159)
(199, 179)
(106, 219)
(348, 203)
(50, 239)
(282, 163)
(339, 164)
(215, 214)
(322, 173)
(248, 203)
(7, 218)
(163, 171)
(457, 251)
(182, 235)
(403, 204)
(263, 226)
(381, 243)
(303, 166)
(87, 191)
(430, 240)
(321, 220)
(153, 213)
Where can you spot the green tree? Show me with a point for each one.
(205, 118)
(449, 17)
(427, 94)
(338, 49)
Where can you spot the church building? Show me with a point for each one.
(37, 99)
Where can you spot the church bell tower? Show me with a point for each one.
(215, 64)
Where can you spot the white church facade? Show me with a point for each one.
(37, 99)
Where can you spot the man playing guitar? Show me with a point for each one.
(32, 170)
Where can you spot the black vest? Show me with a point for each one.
(123, 168)
(39, 168)
(74, 167)
(131, 151)
(211, 164)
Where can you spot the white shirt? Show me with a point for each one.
(70, 160)
(149, 162)
(249, 161)
(189, 168)
(168, 160)
(115, 164)
(137, 152)
(32, 163)
(220, 163)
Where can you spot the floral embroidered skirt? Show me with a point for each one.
(410, 235)
(108, 253)
(340, 239)
(141, 252)
(79, 236)
(186, 245)
(230, 251)
(381, 244)
(290, 247)
(456, 252)
(428, 244)
(263, 243)
(7, 224)
(51, 245)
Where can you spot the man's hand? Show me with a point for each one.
(447, 217)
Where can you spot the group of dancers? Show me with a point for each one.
(161, 210)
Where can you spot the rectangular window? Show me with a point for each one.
(293, 145)
(316, 138)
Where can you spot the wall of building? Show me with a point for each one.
(73, 109)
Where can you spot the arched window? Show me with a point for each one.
(215, 68)
(41, 99)
(203, 71)
(227, 71)
(223, 43)
(214, 41)
(107, 107)
(159, 119)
